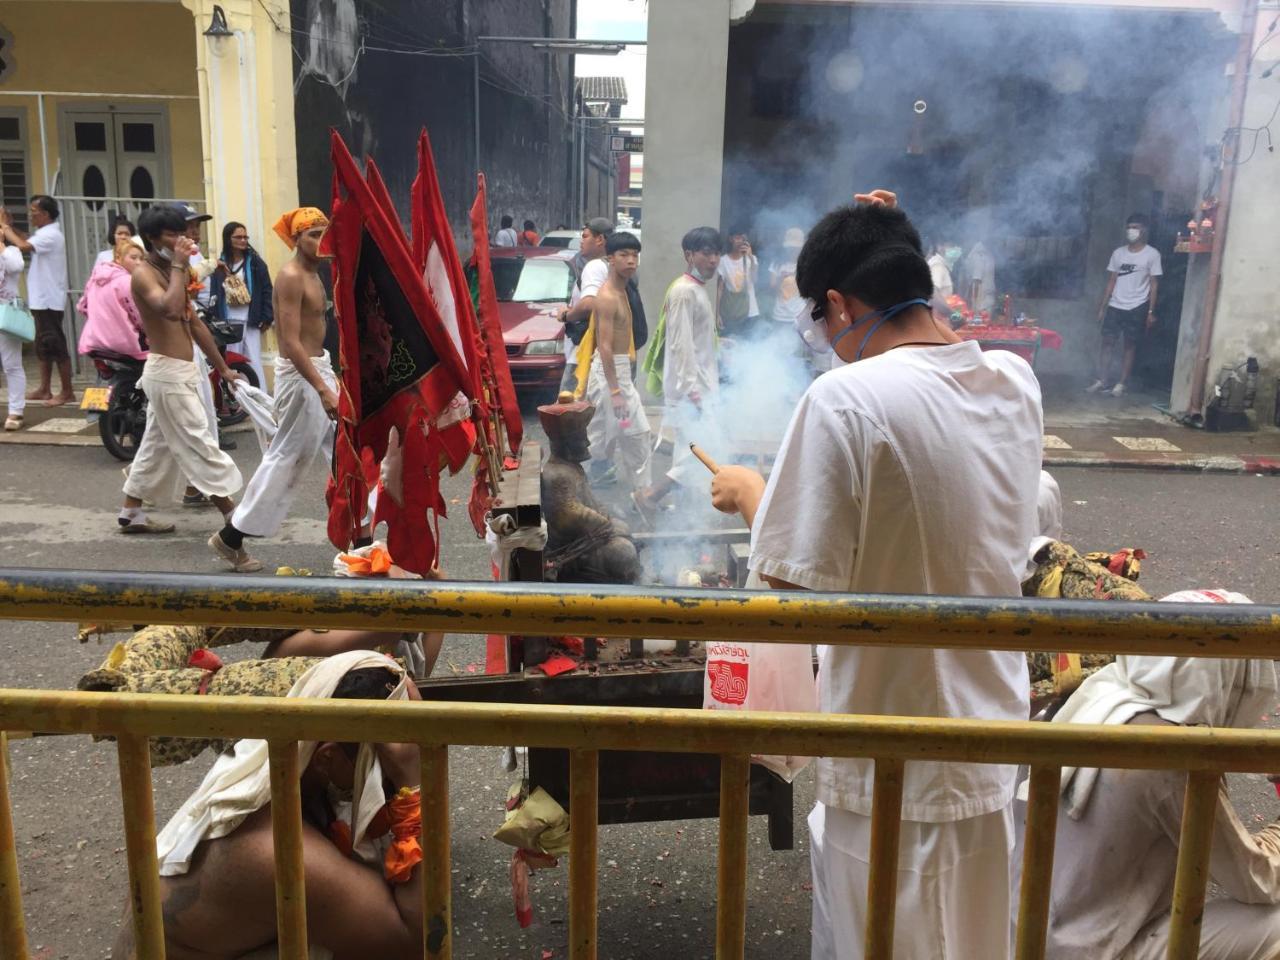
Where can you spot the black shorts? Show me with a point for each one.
(1131, 323)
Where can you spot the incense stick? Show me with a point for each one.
(706, 460)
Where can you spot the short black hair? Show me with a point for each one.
(155, 220)
(737, 230)
(366, 683)
(869, 251)
(506, 221)
(47, 204)
(1138, 218)
(117, 222)
(622, 241)
(528, 225)
(702, 238)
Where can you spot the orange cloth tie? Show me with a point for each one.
(405, 852)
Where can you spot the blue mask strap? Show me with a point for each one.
(885, 317)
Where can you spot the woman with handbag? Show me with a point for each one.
(16, 328)
(241, 289)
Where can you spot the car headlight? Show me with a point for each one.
(542, 348)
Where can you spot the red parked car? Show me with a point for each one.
(533, 283)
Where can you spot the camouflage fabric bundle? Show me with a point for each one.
(155, 660)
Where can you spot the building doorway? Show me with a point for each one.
(115, 151)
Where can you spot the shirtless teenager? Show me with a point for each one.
(178, 441)
(619, 432)
(306, 400)
(218, 899)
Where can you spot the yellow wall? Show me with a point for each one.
(112, 47)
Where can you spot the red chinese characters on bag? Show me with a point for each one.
(727, 678)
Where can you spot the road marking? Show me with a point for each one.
(1055, 443)
(60, 425)
(1147, 443)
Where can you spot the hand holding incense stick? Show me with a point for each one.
(706, 460)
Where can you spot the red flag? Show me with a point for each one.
(400, 368)
(491, 323)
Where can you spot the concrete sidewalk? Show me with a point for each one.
(1162, 445)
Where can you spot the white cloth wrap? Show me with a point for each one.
(1184, 690)
(239, 783)
(304, 430)
(261, 408)
(504, 538)
(179, 446)
(626, 447)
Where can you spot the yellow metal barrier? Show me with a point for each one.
(891, 741)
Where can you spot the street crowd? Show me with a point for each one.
(912, 465)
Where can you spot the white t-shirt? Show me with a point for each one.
(47, 275)
(913, 472)
(787, 304)
(506, 237)
(735, 274)
(593, 276)
(1133, 276)
(943, 286)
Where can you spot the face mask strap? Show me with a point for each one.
(885, 316)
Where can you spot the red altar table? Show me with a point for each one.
(1025, 341)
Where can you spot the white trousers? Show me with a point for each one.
(303, 430)
(1229, 931)
(251, 347)
(178, 442)
(15, 376)
(624, 443)
(954, 886)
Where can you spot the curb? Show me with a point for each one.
(1262, 465)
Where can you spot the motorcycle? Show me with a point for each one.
(124, 417)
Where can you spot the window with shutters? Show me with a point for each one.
(14, 181)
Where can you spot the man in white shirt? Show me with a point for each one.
(686, 346)
(201, 266)
(1128, 307)
(737, 311)
(46, 295)
(592, 270)
(506, 237)
(912, 470)
(787, 302)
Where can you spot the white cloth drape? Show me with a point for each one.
(239, 783)
(626, 446)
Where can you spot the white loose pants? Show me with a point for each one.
(624, 443)
(178, 446)
(954, 886)
(303, 431)
(15, 377)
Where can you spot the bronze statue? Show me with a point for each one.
(584, 543)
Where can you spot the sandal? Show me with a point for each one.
(13, 422)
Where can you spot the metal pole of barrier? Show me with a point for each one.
(13, 928)
(286, 832)
(584, 790)
(134, 753)
(1037, 862)
(437, 925)
(1194, 844)
(731, 878)
(882, 888)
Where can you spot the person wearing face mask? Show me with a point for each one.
(943, 260)
(1128, 307)
(682, 366)
(1118, 830)
(911, 470)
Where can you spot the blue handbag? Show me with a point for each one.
(16, 320)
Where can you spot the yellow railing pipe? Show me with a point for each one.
(627, 611)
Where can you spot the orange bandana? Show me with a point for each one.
(296, 221)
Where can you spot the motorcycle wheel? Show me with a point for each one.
(229, 410)
(122, 424)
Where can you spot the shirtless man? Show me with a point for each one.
(219, 903)
(306, 400)
(178, 440)
(619, 432)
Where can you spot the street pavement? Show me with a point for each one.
(657, 881)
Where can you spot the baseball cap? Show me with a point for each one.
(191, 214)
(601, 226)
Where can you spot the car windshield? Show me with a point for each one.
(528, 281)
(553, 241)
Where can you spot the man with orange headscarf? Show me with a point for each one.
(306, 399)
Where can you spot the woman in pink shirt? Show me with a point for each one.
(112, 322)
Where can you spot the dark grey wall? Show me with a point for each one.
(378, 100)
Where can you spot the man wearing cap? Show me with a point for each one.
(201, 267)
(592, 271)
(306, 398)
